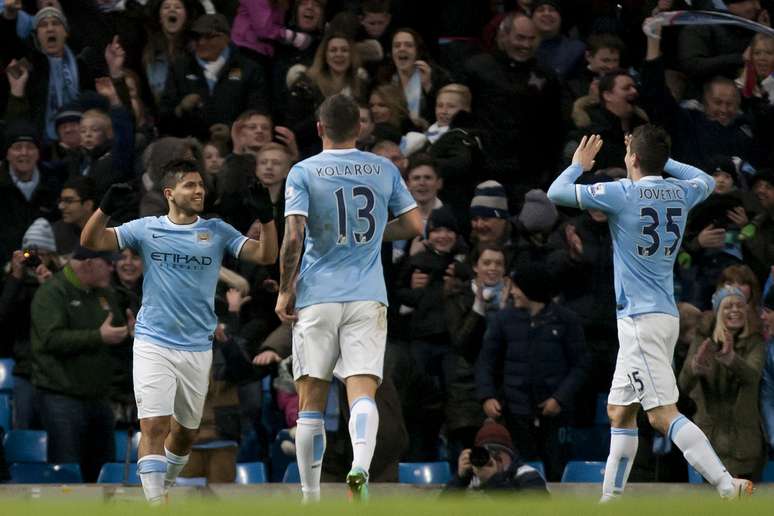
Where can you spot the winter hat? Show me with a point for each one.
(765, 174)
(21, 131)
(493, 433)
(49, 12)
(84, 253)
(534, 280)
(723, 164)
(489, 201)
(724, 292)
(442, 218)
(538, 215)
(39, 235)
(70, 112)
(553, 3)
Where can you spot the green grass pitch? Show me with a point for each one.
(700, 504)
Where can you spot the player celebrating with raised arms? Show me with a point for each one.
(181, 254)
(647, 216)
(339, 199)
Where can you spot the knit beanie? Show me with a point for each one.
(534, 280)
(493, 433)
(442, 218)
(39, 235)
(553, 3)
(724, 292)
(538, 215)
(50, 12)
(489, 201)
(70, 112)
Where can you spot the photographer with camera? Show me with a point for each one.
(30, 267)
(533, 362)
(492, 465)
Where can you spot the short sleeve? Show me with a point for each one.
(605, 197)
(296, 193)
(233, 240)
(401, 199)
(130, 234)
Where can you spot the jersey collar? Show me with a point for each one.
(192, 224)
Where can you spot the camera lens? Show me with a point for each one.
(479, 456)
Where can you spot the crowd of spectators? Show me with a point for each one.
(503, 310)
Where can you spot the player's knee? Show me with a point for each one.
(621, 416)
(661, 417)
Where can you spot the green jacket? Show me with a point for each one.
(727, 404)
(68, 355)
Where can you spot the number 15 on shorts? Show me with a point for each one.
(637, 385)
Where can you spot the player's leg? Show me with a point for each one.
(697, 450)
(363, 339)
(623, 404)
(193, 380)
(154, 379)
(315, 351)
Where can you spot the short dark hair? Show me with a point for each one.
(340, 116)
(652, 145)
(597, 42)
(488, 246)
(719, 79)
(422, 159)
(85, 187)
(607, 82)
(375, 7)
(173, 171)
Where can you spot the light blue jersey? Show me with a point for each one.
(181, 265)
(345, 196)
(647, 220)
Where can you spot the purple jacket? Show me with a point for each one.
(257, 25)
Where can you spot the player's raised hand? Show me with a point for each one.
(285, 308)
(259, 203)
(586, 152)
(116, 197)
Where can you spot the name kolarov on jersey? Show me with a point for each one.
(356, 169)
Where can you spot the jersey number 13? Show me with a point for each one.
(363, 214)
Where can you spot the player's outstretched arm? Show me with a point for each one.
(687, 172)
(562, 190)
(262, 251)
(95, 234)
(405, 227)
(290, 254)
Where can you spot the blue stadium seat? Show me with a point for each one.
(26, 446)
(577, 471)
(251, 473)
(22, 473)
(121, 446)
(291, 476)
(5, 412)
(191, 481)
(538, 465)
(424, 472)
(113, 473)
(694, 477)
(768, 472)
(6, 376)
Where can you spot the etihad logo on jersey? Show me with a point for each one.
(661, 194)
(356, 169)
(181, 261)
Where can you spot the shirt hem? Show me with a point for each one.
(177, 347)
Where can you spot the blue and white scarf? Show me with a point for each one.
(413, 93)
(63, 87)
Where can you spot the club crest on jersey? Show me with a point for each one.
(597, 189)
(203, 238)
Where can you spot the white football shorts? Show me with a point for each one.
(341, 339)
(643, 369)
(170, 382)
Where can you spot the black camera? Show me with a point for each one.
(479, 456)
(31, 258)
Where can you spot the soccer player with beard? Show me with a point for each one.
(181, 254)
